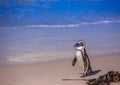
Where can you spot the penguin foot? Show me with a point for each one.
(83, 75)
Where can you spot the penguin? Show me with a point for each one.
(82, 58)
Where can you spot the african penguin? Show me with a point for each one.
(82, 58)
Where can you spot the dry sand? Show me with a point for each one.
(52, 73)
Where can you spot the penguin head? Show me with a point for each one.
(79, 43)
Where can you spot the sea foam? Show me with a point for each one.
(62, 25)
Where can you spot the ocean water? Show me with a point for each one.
(24, 45)
(33, 31)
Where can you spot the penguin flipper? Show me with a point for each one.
(74, 61)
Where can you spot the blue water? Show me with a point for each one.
(41, 44)
(34, 31)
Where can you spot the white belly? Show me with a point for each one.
(80, 59)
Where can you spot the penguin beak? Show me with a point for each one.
(77, 44)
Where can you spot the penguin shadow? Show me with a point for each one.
(93, 72)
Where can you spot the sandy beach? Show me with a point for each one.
(37, 39)
(52, 73)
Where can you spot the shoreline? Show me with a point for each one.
(26, 59)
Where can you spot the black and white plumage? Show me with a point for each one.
(82, 58)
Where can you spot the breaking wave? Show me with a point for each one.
(63, 25)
